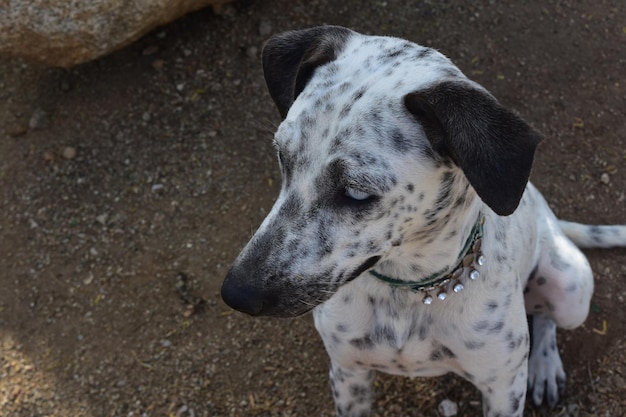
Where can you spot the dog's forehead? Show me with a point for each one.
(357, 99)
(365, 85)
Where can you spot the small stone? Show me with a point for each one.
(166, 343)
(604, 178)
(157, 188)
(447, 408)
(48, 156)
(17, 131)
(252, 52)
(69, 152)
(39, 120)
(102, 219)
(265, 28)
(146, 116)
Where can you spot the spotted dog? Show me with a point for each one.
(407, 224)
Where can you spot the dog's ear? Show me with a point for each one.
(493, 147)
(290, 58)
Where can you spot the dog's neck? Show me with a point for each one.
(429, 255)
(451, 279)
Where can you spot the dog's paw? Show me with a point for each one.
(546, 377)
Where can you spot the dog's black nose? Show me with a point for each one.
(242, 298)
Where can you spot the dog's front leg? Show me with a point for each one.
(352, 390)
(505, 395)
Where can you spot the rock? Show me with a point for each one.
(252, 52)
(604, 178)
(64, 33)
(69, 152)
(447, 408)
(17, 130)
(39, 119)
(265, 28)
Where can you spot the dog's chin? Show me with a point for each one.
(289, 311)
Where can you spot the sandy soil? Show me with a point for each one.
(129, 184)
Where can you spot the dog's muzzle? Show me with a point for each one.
(242, 292)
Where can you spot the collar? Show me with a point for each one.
(451, 277)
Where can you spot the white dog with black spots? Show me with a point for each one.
(407, 224)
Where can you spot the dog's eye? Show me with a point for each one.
(357, 195)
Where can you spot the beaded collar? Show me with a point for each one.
(444, 282)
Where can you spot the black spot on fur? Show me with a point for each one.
(492, 305)
(557, 262)
(383, 335)
(400, 142)
(363, 343)
(440, 353)
(359, 392)
(358, 94)
(473, 344)
(423, 53)
(496, 328)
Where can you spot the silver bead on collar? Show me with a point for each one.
(443, 283)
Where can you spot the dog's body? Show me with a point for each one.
(397, 168)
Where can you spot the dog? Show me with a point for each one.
(406, 222)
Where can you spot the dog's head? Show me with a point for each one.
(381, 139)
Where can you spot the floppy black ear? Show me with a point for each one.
(493, 147)
(290, 58)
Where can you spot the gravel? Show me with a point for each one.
(121, 176)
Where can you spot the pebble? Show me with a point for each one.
(38, 120)
(16, 131)
(69, 152)
(447, 408)
(252, 52)
(604, 178)
(265, 28)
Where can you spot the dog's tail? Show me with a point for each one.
(592, 236)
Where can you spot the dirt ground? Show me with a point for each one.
(129, 184)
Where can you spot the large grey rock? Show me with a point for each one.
(67, 32)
